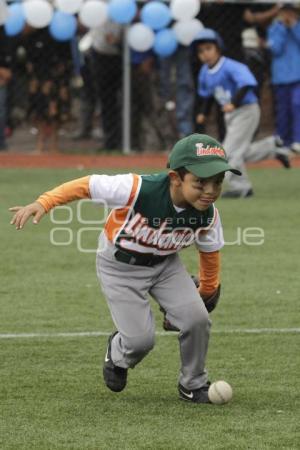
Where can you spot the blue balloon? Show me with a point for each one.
(122, 11)
(165, 43)
(156, 15)
(63, 26)
(15, 21)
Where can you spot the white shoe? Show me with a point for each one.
(295, 147)
(280, 148)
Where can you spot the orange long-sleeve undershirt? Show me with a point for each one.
(210, 270)
(65, 193)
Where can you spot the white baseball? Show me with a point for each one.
(220, 392)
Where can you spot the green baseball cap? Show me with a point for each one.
(201, 155)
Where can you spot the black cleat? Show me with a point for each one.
(115, 377)
(283, 159)
(196, 395)
(281, 153)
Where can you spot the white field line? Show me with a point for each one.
(81, 334)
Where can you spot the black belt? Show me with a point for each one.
(147, 260)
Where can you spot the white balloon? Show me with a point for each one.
(140, 37)
(184, 9)
(187, 31)
(38, 13)
(93, 13)
(68, 6)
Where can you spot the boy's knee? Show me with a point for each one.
(196, 316)
(140, 345)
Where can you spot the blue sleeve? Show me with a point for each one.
(295, 30)
(277, 35)
(241, 75)
(202, 88)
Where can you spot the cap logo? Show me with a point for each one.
(209, 151)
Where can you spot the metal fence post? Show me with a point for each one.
(126, 119)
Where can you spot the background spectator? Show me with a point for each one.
(257, 17)
(284, 43)
(107, 66)
(5, 76)
(176, 85)
(145, 126)
(17, 89)
(88, 92)
(49, 66)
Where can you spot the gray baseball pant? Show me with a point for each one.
(126, 288)
(241, 125)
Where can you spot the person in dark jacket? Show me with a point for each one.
(5, 76)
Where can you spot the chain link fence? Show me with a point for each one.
(74, 91)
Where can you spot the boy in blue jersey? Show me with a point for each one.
(233, 86)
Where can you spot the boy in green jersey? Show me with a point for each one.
(153, 217)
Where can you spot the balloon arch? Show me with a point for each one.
(156, 25)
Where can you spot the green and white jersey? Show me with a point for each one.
(144, 219)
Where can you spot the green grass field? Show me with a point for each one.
(52, 393)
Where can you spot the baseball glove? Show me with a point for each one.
(167, 326)
(210, 303)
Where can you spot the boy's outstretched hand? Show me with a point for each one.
(22, 214)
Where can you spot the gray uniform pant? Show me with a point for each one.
(126, 288)
(241, 125)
